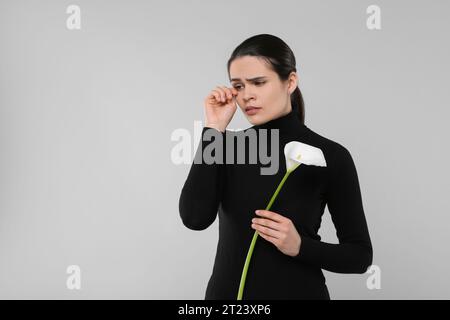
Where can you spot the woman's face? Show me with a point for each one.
(259, 86)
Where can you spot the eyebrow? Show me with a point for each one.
(251, 79)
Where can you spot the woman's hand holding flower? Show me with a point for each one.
(278, 230)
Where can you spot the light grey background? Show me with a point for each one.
(86, 176)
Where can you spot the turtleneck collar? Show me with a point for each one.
(288, 124)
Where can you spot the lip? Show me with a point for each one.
(251, 110)
(248, 108)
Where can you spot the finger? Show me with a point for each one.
(212, 95)
(269, 238)
(267, 231)
(227, 92)
(233, 92)
(217, 95)
(222, 93)
(268, 223)
(271, 215)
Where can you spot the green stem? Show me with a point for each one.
(255, 236)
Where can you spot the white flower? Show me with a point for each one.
(297, 152)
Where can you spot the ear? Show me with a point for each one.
(292, 82)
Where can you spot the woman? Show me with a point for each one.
(287, 262)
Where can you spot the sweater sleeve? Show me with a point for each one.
(353, 254)
(202, 191)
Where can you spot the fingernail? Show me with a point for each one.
(257, 211)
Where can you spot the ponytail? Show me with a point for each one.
(297, 102)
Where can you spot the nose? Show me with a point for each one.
(247, 94)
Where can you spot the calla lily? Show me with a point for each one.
(295, 153)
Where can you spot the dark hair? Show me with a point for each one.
(279, 57)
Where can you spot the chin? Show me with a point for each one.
(255, 120)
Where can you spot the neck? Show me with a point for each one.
(288, 124)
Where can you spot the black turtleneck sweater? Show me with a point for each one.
(235, 191)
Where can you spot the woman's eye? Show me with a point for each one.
(258, 83)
